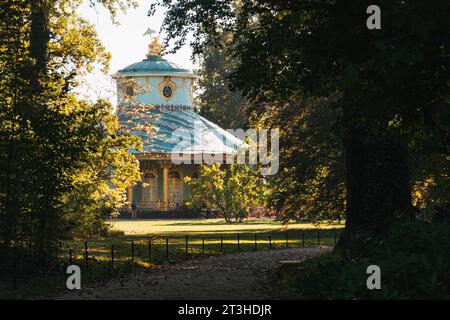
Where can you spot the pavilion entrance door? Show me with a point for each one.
(149, 189)
(175, 186)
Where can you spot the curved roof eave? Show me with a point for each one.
(155, 65)
(157, 74)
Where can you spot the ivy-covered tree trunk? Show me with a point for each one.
(378, 187)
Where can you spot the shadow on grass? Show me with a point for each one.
(221, 222)
(48, 285)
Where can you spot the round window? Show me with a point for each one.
(167, 91)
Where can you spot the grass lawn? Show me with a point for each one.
(208, 226)
(156, 241)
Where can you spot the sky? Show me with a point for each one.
(125, 42)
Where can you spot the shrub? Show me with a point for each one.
(414, 262)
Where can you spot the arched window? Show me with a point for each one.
(195, 175)
(149, 187)
(175, 188)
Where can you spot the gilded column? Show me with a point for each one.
(166, 187)
(182, 187)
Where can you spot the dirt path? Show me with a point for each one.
(245, 275)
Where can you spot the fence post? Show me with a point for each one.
(335, 237)
(70, 256)
(187, 241)
(112, 255)
(221, 243)
(287, 241)
(256, 242)
(238, 242)
(86, 254)
(132, 251)
(270, 242)
(303, 239)
(167, 247)
(15, 267)
(150, 250)
(203, 245)
(18, 267)
(318, 238)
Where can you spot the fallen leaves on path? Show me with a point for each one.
(244, 275)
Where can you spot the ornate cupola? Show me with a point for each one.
(170, 93)
(169, 83)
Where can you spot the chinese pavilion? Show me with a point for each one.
(170, 95)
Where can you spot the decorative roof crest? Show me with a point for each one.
(155, 48)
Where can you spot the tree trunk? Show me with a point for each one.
(39, 41)
(37, 76)
(378, 187)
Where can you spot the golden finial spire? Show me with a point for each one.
(155, 48)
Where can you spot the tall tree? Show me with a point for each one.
(48, 136)
(216, 100)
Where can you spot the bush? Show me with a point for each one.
(414, 262)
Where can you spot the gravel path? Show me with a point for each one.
(245, 275)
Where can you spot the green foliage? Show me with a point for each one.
(310, 182)
(98, 189)
(414, 264)
(57, 154)
(114, 6)
(216, 100)
(231, 190)
(431, 167)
